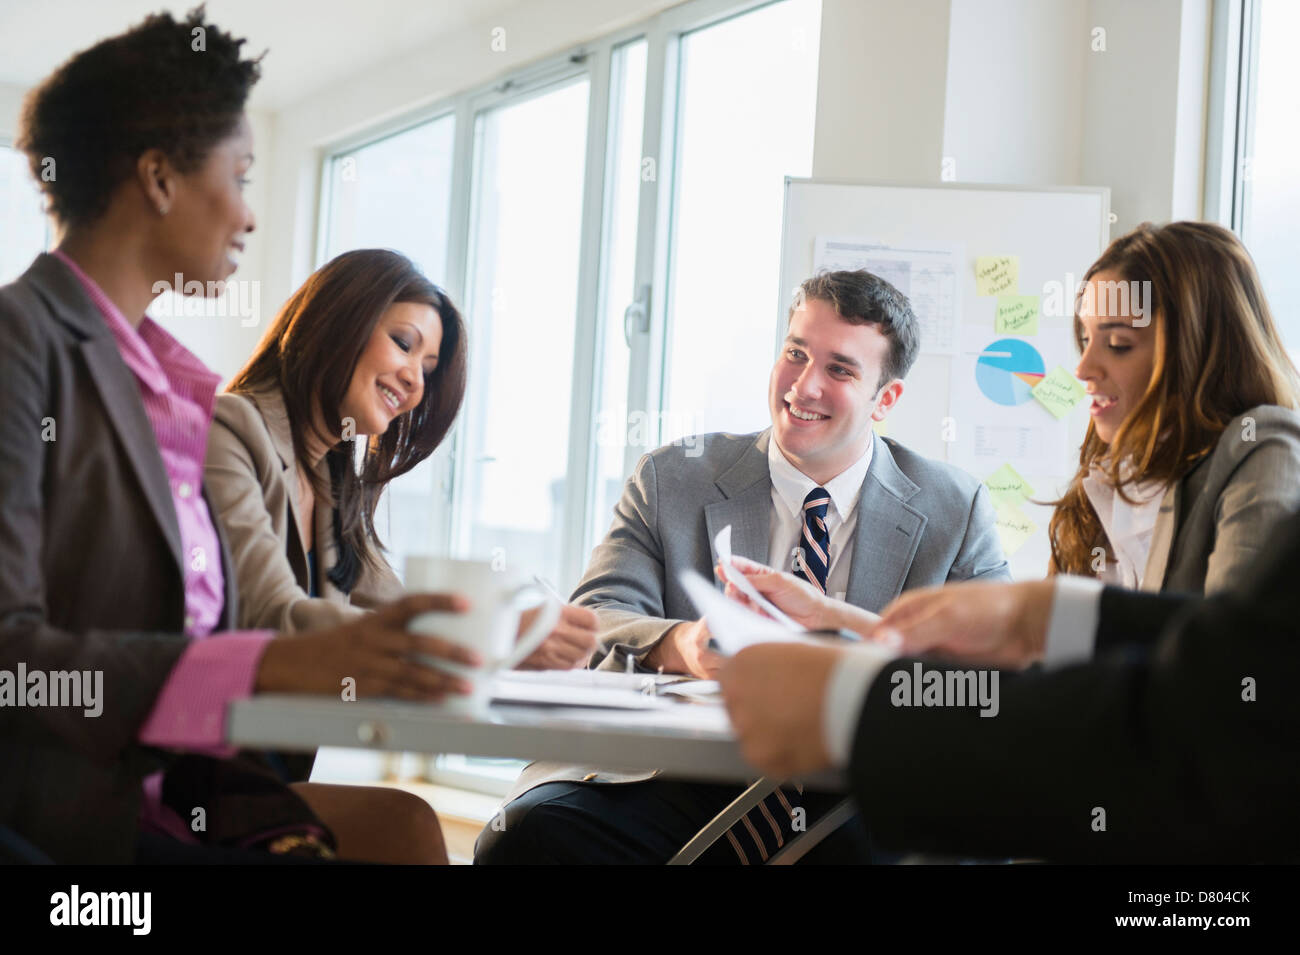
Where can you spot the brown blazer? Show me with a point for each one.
(251, 476)
(90, 569)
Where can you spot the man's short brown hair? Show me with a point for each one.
(861, 298)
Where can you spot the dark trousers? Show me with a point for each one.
(640, 823)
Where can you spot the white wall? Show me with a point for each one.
(11, 98)
(1012, 91)
(880, 90)
(1144, 108)
(1015, 91)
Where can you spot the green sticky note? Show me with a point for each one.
(1007, 487)
(1014, 528)
(1016, 315)
(997, 274)
(1059, 392)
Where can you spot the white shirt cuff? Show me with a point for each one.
(1072, 628)
(845, 695)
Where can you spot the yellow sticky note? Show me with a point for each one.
(997, 274)
(1007, 487)
(1059, 392)
(1014, 528)
(1016, 315)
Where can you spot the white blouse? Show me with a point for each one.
(1128, 526)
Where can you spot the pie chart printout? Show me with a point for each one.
(1007, 371)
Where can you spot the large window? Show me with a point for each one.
(526, 225)
(395, 193)
(610, 225)
(1254, 138)
(23, 229)
(748, 92)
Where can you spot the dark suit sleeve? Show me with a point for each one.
(1128, 617)
(134, 665)
(1182, 752)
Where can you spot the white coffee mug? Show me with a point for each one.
(497, 598)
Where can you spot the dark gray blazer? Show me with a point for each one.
(921, 523)
(1214, 522)
(90, 569)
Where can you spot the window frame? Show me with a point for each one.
(647, 343)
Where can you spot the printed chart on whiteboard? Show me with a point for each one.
(926, 272)
(1011, 388)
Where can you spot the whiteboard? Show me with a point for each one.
(1057, 233)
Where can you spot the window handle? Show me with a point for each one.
(636, 317)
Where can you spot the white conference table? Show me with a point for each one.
(688, 740)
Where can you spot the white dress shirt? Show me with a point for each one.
(789, 488)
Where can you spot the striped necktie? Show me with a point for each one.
(767, 827)
(812, 558)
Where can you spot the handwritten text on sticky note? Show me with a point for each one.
(1014, 528)
(1059, 392)
(1016, 315)
(997, 274)
(1007, 487)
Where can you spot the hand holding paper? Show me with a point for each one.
(735, 578)
(796, 600)
(733, 627)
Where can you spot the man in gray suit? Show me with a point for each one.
(818, 493)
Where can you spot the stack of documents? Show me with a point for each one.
(599, 688)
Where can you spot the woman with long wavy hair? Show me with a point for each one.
(1193, 450)
(367, 350)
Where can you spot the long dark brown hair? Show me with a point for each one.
(310, 352)
(1218, 354)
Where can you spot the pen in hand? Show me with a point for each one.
(550, 589)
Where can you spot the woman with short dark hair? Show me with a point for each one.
(110, 560)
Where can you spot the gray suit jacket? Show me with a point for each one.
(1213, 523)
(920, 523)
(91, 569)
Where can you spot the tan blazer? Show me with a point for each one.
(253, 484)
(1214, 522)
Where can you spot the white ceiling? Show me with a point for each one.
(311, 43)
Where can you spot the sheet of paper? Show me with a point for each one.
(722, 545)
(505, 689)
(995, 419)
(733, 626)
(1016, 315)
(700, 718)
(591, 678)
(693, 689)
(997, 274)
(1059, 392)
(1007, 487)
(1014, 528)
(928, 273)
